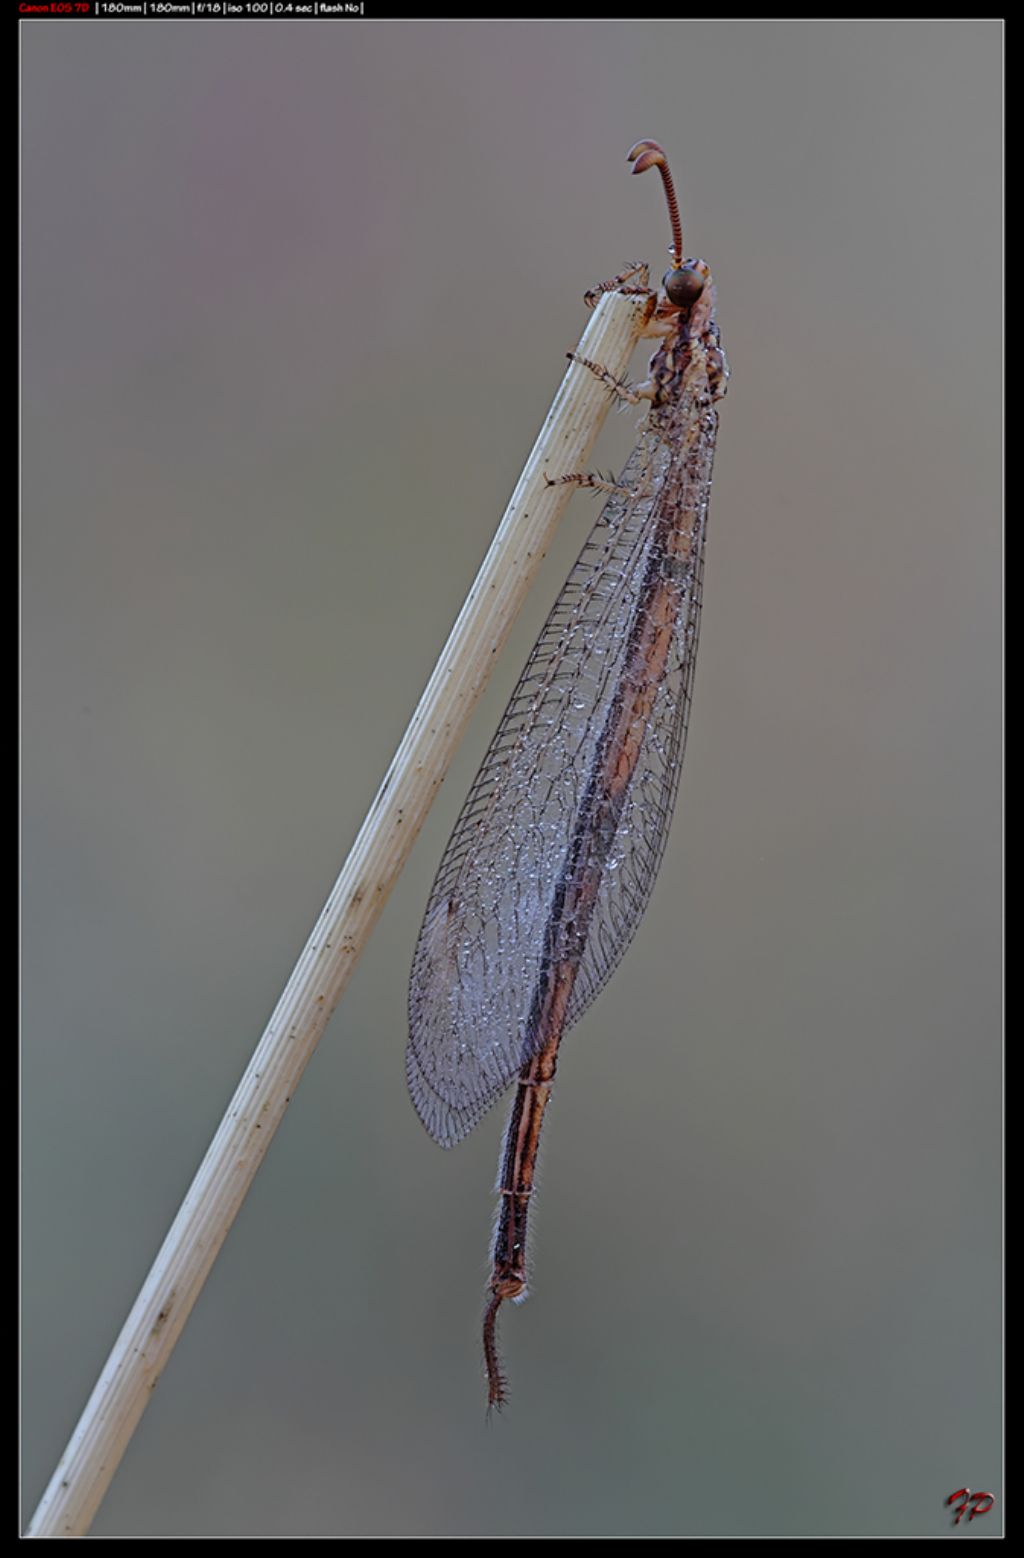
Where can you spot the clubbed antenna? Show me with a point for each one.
(648, 154)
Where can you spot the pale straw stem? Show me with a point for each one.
(158, 1315)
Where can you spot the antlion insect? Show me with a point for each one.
(555, 852)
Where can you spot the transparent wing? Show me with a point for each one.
(486, 938)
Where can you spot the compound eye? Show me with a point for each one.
(684, 285)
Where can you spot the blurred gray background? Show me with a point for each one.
(295, 301)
